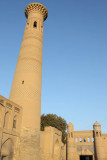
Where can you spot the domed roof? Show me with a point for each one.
(96, 124)
(70, 124)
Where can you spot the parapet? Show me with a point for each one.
(36, 7)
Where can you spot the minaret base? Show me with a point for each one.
(29, 144)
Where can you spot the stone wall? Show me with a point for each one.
(29, 144)
(104, 139)
(51, 144)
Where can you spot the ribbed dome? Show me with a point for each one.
(36, 7)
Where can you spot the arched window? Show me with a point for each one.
(76, 140)
(71, 134)
(15, 120)
(7, 149)
(92, 139)
(80, 139)
(88, 139)
(35, 24)
(7, 120)
(96, 133)
(22, 82)
(84, 139)
(14, 123)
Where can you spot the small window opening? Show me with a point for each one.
(71, 134)
(92, 139)
(42, 28)
(7, 119)
(35, 24)
(80, 139)
(14, 124)
(96, 133)
(88, 139)
(76, 140)
(22, 82)
(84, 139)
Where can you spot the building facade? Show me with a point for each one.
(10, 128)
(11, 114)
(51, 145)
(86, 145)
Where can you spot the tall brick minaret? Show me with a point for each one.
(26, 86)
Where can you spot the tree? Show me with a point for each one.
(54, 121)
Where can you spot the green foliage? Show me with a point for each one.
(54, 121)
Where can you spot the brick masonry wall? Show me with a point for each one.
(29, 145)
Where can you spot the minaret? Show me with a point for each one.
(99, 147)
(26, 86)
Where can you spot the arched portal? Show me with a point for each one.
(7, 150)
(57, 151)
(86, 154)
(86, 157)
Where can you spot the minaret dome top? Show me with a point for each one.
(96, 124)
(36, 7)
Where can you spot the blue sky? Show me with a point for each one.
(74, 75)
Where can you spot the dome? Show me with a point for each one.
(70, 124)
(96, 124)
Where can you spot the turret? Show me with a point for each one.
(71, 149)
(70, 129)
(99, 148)
(97, 129)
